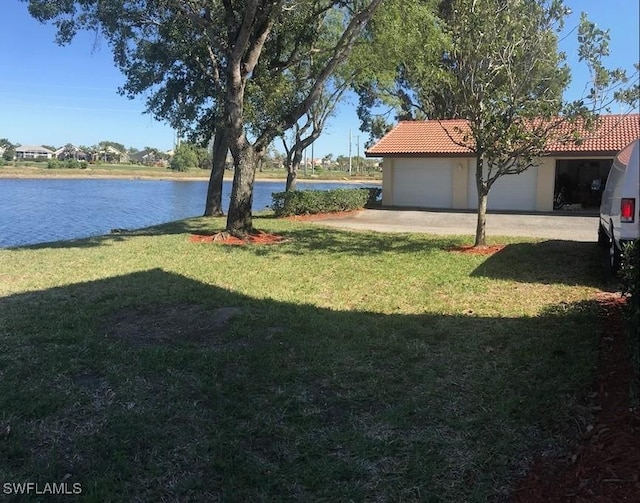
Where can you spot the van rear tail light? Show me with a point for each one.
(627, 209)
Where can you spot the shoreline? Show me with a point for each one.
(165, 177)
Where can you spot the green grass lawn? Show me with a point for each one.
(338, 366)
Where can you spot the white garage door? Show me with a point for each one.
(510, 192)
(422, 183)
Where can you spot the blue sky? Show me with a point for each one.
(51, 95)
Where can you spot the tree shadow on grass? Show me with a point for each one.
(161, 387)
(89, 242)
(547, 262)
(306, 237)
(303, 237)
(190, 225)
(310, 239)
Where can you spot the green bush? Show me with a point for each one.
(75, 164)
(68, 164)
(306, 202)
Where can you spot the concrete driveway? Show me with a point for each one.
(564, 226)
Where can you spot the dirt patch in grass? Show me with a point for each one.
(162, 325)
(605, 466)
(224, 238)
(89, 380)
(477, 250)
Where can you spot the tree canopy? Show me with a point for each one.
(201, 61)
(7, 149)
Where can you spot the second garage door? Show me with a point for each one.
(509, 192)
(423, 184)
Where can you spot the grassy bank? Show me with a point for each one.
(40, 170)
(334, 367)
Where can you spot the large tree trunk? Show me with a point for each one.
(483, 193)
(293, 166)
(481, 225)
(213, 206)
(292, 179)
(240, 219)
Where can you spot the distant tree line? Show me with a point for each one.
(188, 156)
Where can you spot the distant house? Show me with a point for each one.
(70, 152)
(33, 152)
(148, 157)
(110, 154)
(423, 167)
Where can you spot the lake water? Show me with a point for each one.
(44, 210)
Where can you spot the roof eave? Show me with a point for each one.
(419, 154)
(582, 153)
(562, 153)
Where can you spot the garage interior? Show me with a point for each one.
(579, 183)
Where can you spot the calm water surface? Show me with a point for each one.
(44, 210)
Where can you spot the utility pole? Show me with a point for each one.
(313, 164)
(349, 152)
(358, 153)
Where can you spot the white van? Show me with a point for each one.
(620, 208)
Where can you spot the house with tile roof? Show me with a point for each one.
(33, 152)
(109, 154)
(70, 152)
(427, 165)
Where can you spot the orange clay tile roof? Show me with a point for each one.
(433, 138)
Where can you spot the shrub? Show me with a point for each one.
(375, 193)
(305, 202)
(68, 164)
(75, 164)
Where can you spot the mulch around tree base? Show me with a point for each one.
(477, 250)
(605, 466)
(224, 238)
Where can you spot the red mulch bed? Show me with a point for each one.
(605, 467)
(224, 238)
(477, 250)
